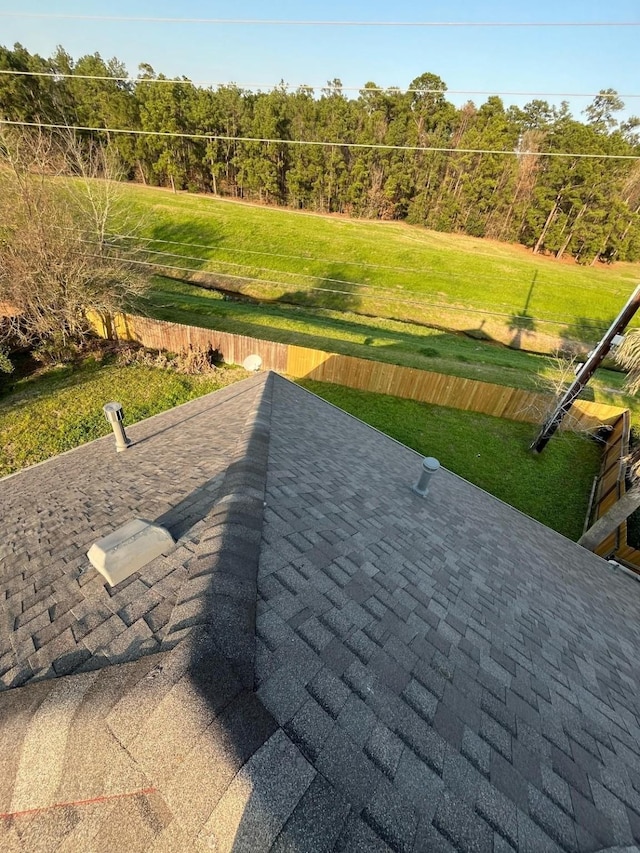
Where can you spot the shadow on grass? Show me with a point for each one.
(584, 330)
(188, 233)
(332, 291)
(368, 342)
(181, 246)
(35, 381)
(479, 334)
(520, 323)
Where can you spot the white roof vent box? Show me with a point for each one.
(125, 551)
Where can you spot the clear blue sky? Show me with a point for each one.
(497, 59)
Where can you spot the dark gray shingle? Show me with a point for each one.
(433, 675)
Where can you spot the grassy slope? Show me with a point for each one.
(492, 453)
(452, 268)
(50, 412)
(459, 270)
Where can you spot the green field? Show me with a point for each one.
(290, 252)
(493, 453)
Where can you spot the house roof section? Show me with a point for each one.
(439, 674)
(58, 615)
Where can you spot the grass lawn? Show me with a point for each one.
(291, 251)
(55, 410)
(490, 452)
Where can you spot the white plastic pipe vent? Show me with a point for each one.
(429, 467)
(114, 413)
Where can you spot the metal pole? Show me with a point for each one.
(586, 371)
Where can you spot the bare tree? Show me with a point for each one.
(59, 203)
(552, 383)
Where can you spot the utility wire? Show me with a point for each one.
(306, 258)
(55, 75)
(338, 261)
(419, 303)
(262, 269)
(298, 23)
(432, 270)
(329, 261)
(388, 291)
(211, 137)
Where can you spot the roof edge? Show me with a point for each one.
(250, 380)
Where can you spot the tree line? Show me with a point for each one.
(565, 206)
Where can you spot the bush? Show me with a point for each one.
(5, 362)
(197, 360)
(55, 350)
(191, 361)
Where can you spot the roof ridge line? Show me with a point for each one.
(224, 571)
(254, 438)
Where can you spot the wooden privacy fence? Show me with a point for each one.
(363, 374)
(440, 389)
(610, 487)
(610, 484)
(174, 337)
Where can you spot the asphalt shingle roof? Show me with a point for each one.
(326, 662)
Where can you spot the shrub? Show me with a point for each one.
(5, 362)
(56, 349)
(191, 361)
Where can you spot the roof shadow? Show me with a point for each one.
(219, 595)
(205, 672)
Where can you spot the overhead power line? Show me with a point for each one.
(297, 23)
(389, 298)
(55, 75)
(386, 293)
(389, 292)
(329, 261)
(215, 137)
